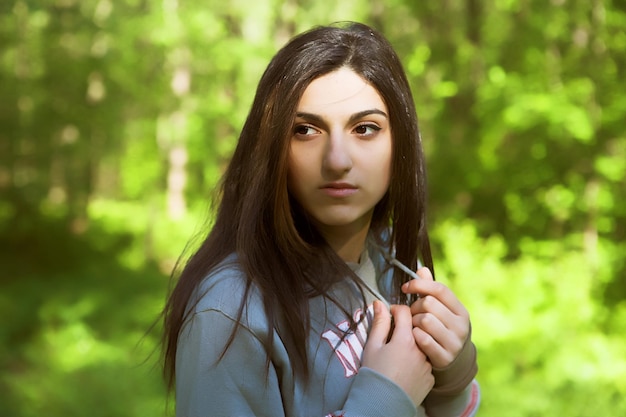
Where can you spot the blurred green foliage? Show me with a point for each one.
(118, 116)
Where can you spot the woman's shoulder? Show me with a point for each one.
(223, 290)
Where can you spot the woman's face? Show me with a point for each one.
(340, 152)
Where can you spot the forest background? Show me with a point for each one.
(117, 118)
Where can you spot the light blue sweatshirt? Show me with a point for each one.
(240, 384)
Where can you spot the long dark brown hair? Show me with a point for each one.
(277, 248)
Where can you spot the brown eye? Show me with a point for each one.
(366, 129)
(303, 130)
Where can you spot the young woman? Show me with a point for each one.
(283, 310)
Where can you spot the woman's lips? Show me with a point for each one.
(339, 189)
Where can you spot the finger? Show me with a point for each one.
(425, 274)
(437, 290)
(430, 304)
(380, 325)
(438, 356)
(447, 339)
(403, 321)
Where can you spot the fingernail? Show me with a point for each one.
(376, 307)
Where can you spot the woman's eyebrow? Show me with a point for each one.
(315, 118)
(365, 113)
(311, 117)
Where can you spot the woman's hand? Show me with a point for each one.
(441, 323)
(400, 359)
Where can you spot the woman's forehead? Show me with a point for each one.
(342, 89)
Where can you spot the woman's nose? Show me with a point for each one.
(337, 158)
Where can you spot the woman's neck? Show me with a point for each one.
(347, 241)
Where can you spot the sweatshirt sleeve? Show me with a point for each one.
(456, 392)
(463, 404)
(236, 384)
(372, 394)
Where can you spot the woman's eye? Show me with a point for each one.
(304, 130)
(366, 129)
